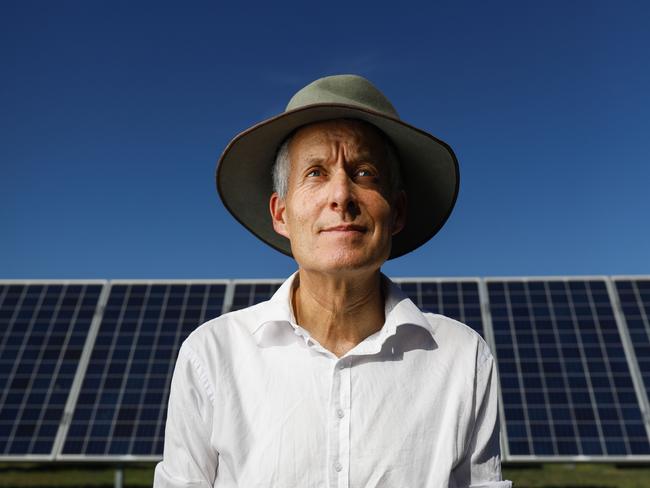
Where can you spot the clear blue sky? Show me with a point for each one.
(113, 114)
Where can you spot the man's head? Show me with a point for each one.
(429, 170)
(338, 198)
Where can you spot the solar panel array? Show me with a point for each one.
(573, 357)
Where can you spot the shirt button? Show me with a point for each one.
(338, 467)
(340, 413)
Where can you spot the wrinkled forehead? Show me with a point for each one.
(356, 135)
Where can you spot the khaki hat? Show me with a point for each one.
(428, 166)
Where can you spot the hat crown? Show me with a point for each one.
(346, 90)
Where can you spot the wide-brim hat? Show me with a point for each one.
(428, 166)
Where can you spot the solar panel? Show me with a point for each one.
(43, 328)
(565, 380)
(122, 405)
(247, 293)
(459, 299)
(634, 297)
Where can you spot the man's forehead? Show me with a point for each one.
(360, 134)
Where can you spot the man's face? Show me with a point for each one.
(339, 213)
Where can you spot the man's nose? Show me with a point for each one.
(342, 195)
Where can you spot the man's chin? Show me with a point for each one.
(343, 263)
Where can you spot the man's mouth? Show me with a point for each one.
(345, 228)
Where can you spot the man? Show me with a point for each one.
(339, 380)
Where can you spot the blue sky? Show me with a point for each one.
(113, 115)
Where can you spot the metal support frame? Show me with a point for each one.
(119, 477)
(630, 354)
(488, 330)
(228, 297)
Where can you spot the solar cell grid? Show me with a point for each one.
(44, 328)
(565, 381)
(121, 408)
(250, 293)
(459, 300)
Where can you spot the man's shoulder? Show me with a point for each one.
(456, 335)
(227, 330)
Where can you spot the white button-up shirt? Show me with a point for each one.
(256, 402)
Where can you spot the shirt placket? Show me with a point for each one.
(339, 432)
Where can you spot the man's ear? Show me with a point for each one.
(399, 212)
(278, 208)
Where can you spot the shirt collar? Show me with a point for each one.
(270, 328)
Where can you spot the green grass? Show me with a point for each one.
(578, 475)
(16, 475)
(73, 475)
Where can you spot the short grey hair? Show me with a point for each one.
(282, 166)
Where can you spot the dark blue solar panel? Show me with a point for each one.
(459, 300)
(634, 296)
(43, 328)
(122, 405)
(565, 381)
(247, 294)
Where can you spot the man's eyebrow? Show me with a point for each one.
(366, 157)
(361, 157)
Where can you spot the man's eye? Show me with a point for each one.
(314, 172)
(364, 172)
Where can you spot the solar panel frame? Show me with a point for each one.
(61, 455)
(640, 377)
(518, 458)
(489, 338)
(78, 372)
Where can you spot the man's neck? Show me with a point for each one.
(338, 312)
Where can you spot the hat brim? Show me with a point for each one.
(429, 171)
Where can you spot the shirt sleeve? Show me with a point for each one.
(189, 460)
(481, 465)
